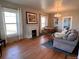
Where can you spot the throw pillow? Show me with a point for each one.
(65, 37)
(72, 37)
(66, 34)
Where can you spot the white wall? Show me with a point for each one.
(26, 27)
(75, 18)
(29, 27)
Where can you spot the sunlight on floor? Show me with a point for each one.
(42, 40)
(13, 53)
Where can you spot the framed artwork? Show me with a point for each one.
(31, 18)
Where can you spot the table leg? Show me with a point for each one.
(4, 43)
(52, 42)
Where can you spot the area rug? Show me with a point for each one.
(48, 44)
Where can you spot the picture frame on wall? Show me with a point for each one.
(31, 18)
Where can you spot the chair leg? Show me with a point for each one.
(65, 56)
(4, 43)
(0, 51)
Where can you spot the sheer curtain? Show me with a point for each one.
(19, 34)
(2, 28)
(20, 25)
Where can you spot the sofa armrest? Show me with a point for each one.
(67, 41)
(78, 53)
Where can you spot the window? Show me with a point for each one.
(43, 21)
(10, 22)
(67, 22)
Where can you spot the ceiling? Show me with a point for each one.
(48, 5)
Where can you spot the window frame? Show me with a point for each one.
(12, 11)
(46, 21)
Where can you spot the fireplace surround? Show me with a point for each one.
(34, 33)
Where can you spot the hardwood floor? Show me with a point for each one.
(31, 49)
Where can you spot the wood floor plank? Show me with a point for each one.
(31, 49)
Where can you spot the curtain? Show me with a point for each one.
(20, 25)
(19, 34)
(2, 28)
(0, 21)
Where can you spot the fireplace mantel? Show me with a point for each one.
(31, 27)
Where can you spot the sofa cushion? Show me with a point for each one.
(72, 36)
(59, 35)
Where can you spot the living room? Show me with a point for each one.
(28, 28)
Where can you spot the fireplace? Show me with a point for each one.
(34, 33)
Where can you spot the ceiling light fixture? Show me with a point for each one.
(58, 5)
(57, 15)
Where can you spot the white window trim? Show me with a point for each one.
(13, 11)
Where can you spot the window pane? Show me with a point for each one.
(10, 17)
(10, 14)
(42, 25)
(43, 19)
(11, 29)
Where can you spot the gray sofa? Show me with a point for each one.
(68, 42)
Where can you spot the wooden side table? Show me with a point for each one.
(2, 42)
(0, 51)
